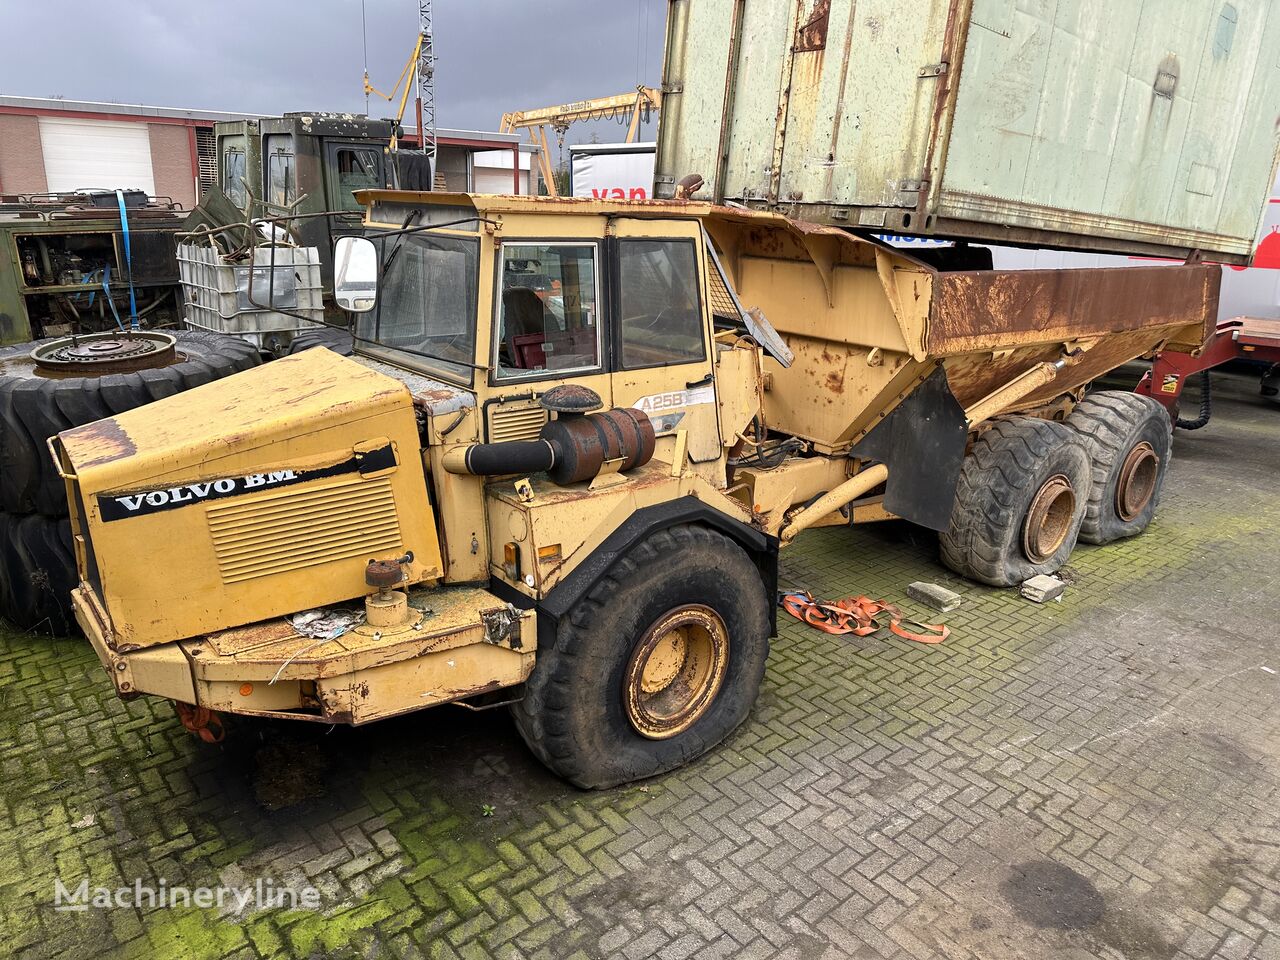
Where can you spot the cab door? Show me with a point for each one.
(548, 329)
(662, 349)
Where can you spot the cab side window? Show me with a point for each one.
(280, 180)
(357, 168)
(233, 177)
(548, 310)
(661, 318)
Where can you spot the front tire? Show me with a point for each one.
(655, 666)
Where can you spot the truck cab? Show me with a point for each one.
(306, 164)
(500, 312)
(403, 474)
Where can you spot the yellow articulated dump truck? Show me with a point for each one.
(572, 437)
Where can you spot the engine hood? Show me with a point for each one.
(259, 495)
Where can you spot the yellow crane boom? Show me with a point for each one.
(405, 78)
(640, 103)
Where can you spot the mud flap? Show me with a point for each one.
(922, 442)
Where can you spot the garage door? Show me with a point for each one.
(96, 153)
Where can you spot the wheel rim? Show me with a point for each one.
(1048, 519)
(675, 671)
(102, 353)
(1137, 483)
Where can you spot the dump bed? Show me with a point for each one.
(1141, 128)
(868, 323)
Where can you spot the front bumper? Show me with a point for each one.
(469, 643)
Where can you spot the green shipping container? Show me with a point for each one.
(1144, 127)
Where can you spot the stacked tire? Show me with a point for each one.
(332, 338)
(37, 559)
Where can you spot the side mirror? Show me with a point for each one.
(355, 274)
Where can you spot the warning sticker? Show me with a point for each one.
(1169, 384)
(664, 423)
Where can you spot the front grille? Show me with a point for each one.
(289, 530)
(522, 421)
(206, 159)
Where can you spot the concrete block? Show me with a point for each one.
(932, 595)
(1043, 588)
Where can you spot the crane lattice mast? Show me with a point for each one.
(426, 80)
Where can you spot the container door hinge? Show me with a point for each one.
(932, 70)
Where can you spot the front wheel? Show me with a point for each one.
(655, 666)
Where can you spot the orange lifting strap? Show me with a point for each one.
(203, 722)
(860, 616)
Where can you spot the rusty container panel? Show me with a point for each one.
(1138, 128)
(858, 114)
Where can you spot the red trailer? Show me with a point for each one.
(1241, 338)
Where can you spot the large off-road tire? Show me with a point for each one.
(34, 408)
(339, 341)
(656, 665)
(37, 574)
(1129, 442)
(1019, 503)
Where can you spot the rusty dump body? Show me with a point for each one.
(868, 323)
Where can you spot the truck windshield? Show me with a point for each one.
(427, 302)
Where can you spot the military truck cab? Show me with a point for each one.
(306, 164)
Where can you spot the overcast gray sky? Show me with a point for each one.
(274, 56)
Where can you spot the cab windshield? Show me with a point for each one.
(427, 302)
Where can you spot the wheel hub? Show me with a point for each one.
(102, 353)
(664, 663)
(1048, 518)
(1137, 482)
(675, 671)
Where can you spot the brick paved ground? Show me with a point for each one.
(1099, 777)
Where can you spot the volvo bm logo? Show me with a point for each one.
(137, 503)
(115, 507)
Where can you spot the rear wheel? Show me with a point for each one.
(1019, 502)
(1129, 439)
(655, 666)
(1270, 385)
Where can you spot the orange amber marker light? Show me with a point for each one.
(246, 689)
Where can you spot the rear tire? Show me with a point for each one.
(1019, 502)
(1129, 442)
(37, 574)
(672, 642)
(34, 408)
(339, 341)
